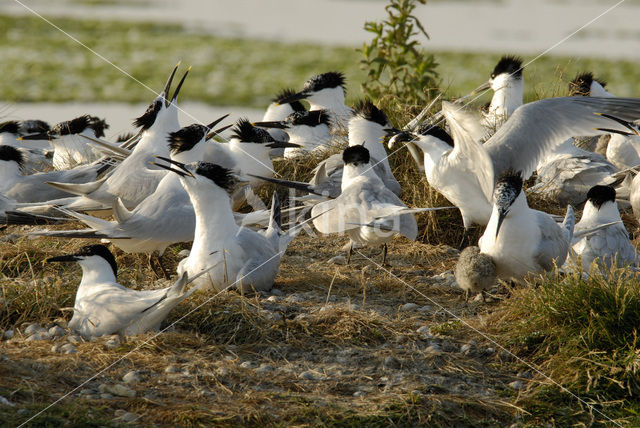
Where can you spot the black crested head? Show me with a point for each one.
(435, 131)
(332, 79)
(581, 85)
(74, 126)
(34, 127)
(508, 187)
(99, 250)
(508, 64)
(355, 155)
(246, 132)
(186, 138)
(10, 127)
(10, 153)
(124, 137)
(598, 195)
(98, 125)
(309, 118)
(218, 174)
(286, 93)
(367, 110)
(149, 116)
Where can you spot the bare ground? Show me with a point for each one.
(334, 344)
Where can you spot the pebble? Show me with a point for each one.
(172, 369)
(113, 343)
(223, 371)
(23, 412)
(33, 328)
(424, 330)
(264, 368)
(75, 339)
(490, 351)
(464, 349)
(68, 348)
(86, 391)
(124, 416)
(117, 390)
(294, 298)
(434, 348)
(425, 308)
(408, 307)
(359, 394)
(247, 365)
(56, 347)
(525, 375)
(391, 362)
(5, 402)
(11, 238)
(41, 335)
(309, 375)
(131, 377)
(106, 396)
(57, 331)
(277, 292)
(273, 299)
(184, 253)
(8, 334)
(517, 385)
(338, 260)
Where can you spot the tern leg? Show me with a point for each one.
(164, 270)
(384, 255)
(350, 253)
(465, 238)
(466, 296)
(151, 266)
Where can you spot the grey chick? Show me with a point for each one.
(475, 271)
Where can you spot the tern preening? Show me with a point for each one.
(104, 307)
(325, 91)
(240, 257)
(309, 130)
(278, 110)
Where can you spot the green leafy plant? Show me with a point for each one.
(396, 65)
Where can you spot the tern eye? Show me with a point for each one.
(493, 75)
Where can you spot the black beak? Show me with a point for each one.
(282, 145)
(175, 93)
(273, 124)
(502, 213)
(167, 85)
(217, 121)
(622, 122)
(615, 131)
(68, 258)
(292, 98)
(176, 163)
(40, 136)
(218, 131)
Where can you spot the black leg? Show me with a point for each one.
(350, 253)
(465, 238)
(164, 271)
(384, 255)
(153, 268)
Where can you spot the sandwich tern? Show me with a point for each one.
(240, 257)
(521, 240)
(608, 244)
(104, 307)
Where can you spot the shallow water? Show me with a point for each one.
(120, 115)
(515, 26)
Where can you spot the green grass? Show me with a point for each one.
(583, 333)
(40, 63)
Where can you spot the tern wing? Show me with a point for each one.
(468, 154)
(537, 127)
(553, 246)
